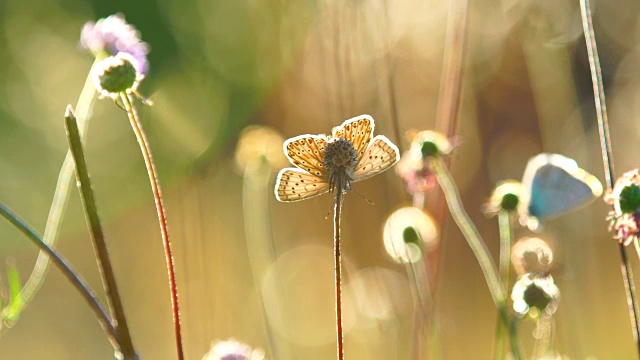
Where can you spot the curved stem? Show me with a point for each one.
(60, 199)
(97, 236)
(474, 240)
(338, 271)
(469, 231)
(157, 195)
(87, 293)
(607, 157)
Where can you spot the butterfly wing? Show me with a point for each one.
(358, 130)
(557, 185)
(307, 152)
(378, 157)
(294, 185)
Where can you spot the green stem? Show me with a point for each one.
(162, 219)
(338, 271)
(504, 224)
(59, 202)
(255, 206)
(607, 157)
(474, 240)
(87, 293)
(97, 236)
(469, 231)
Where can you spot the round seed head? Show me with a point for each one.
(115, 75)
(340, 153)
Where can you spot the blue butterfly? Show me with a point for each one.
(553, 185)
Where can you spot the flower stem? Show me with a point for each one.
(607, 157)
(157, 195)
(469, 230)
(262, 254)
(97, 236)
(475, 242)
(504, 224)
(338, 271)
(87, 293)
(59, 203)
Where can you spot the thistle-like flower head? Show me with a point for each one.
(112, 35)
(624, 219)
(414, 167)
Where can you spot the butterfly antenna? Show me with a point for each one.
(329, 213)
(364, 197)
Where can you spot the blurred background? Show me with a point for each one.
(303, 67)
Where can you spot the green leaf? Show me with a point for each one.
(12, 312)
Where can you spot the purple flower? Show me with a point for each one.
(233, 350)
(624, 219)
(112, 35)
(414, 167)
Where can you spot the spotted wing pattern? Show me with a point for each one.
(358, 130)
(307, 152)
(378, 157)
(294, 185)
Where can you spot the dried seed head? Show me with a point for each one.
(340, 160)
(340, 153)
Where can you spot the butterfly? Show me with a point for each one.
(553, 185)
(331, 163)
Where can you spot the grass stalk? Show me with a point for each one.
(607, 157)
(97, 236)
(136, 125)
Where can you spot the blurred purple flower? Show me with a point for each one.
(414, 167)
(416, 173)
(112, 35)
(233, 350)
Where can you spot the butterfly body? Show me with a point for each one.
(331, 163)
(554, 185)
